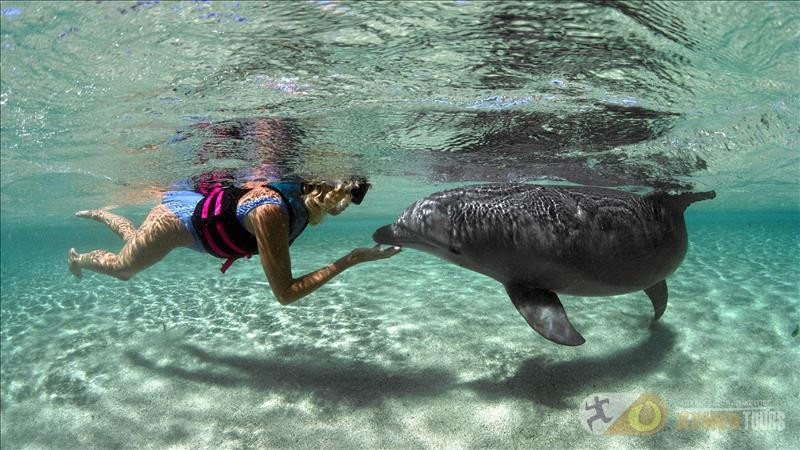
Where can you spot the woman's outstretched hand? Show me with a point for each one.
(364, 254)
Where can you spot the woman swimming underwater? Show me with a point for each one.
(231, 222)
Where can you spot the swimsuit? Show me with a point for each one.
(182, 204)
(216, 221)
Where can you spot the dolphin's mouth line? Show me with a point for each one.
(406, 238)
(411, 242)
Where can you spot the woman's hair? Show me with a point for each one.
(326, 197)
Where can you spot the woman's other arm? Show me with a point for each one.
(270, 224)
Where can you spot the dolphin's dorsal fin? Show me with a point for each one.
(544, 313)
(658, 295)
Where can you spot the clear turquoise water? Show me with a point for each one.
(412, 351)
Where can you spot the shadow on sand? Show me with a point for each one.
(550, 384)
(332, 379)
(305, 370)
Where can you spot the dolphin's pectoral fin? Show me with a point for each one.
(544, 313)
(658, 295)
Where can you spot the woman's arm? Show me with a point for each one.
(270, 224)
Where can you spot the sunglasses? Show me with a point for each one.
(359, 191)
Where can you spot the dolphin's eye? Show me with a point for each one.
(455, 251)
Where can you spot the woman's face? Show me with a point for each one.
(339, 204)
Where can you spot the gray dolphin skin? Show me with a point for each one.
(542, 240)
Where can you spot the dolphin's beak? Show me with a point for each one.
(400, 236)
(385, 235)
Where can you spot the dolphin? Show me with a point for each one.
(542, 240)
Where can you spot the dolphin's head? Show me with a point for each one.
(425, 226)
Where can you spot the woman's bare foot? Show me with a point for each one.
(94, 213)
(73, 259)
(86, 213)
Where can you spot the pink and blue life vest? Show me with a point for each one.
(220, 226)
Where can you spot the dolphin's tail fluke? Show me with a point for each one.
(682, 201)
(691, 197)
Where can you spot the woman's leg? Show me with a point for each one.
(161, 232)
(118, 224)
